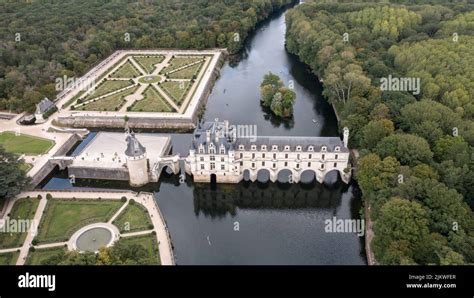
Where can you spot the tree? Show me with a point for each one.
(388, 227)
(12, 178)
(375, 131)
(408, 149)
(344, 80)
(276, 96)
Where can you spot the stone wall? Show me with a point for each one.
(99, 173)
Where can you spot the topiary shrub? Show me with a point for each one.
(123, 199)
(49, 196)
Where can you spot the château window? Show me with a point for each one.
(212, 151)
(241, 155)
(322, 157)
(201, 150)
(298, 148)
(253, 165)
(241, 163)
(263, 155)
(222, 167)
(222, 151)
(311, 148)
(274, 165)
(274, 156)
(212, 158)
(254, 147)
(263, 163)
(264, 147)
(297, 165)
(202, 158)
(202, 166)
(335, 164)
(213, 166)
(286, 163)
(287, 148)
(274, 147)
(309, 164)
(335, 157)
(222, 159)
(286, 155)
(324, 148)
(297, 156)
(253, 155)
(337, 149)
(310, 156)
(322, 166)
(241, 147)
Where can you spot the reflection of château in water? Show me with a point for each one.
(225, 199)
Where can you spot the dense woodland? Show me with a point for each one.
(417, 157)
(43, 40)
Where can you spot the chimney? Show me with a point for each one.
(208, 136)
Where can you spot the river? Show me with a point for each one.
(257, 223)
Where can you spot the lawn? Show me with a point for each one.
(152, 102)
(107, 86)
(109, 103)
(187, 73)
(24, 144)
(180, 61)
(64, 217)
(148, 241)
(176, 90)
(9, 258)
(134, 218)
(148, 62)
(25, 167)
(127, 70)
(24, 209)
(38, 256)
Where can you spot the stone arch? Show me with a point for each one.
(246, 175)
(308, 176)
(285, 175)
(332, 177)
(264, 175)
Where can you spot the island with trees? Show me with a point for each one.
(276, 97)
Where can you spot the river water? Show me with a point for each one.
(256, 223)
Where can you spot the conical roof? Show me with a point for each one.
(134, 147)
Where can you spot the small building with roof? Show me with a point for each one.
(43, 108)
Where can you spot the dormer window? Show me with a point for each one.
(222, 150)
(201, 149)
(324, 148)
(274, 147)
(298, 148)
(337, 149)
(241, 147)
(311, 148)
(253, 147)
(264, 148)
(287, 148)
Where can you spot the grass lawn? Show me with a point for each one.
(148, 241)
(38, 256)
(176, 90)
(64, 217)
(127, 70)
(25, 167)
(148, 62)
(180, 61)
(187, 73)
(107, 86)
(25, 144)
(22, 210)
(152, 102)
(109, 103)
(133, 218)
(9, 258)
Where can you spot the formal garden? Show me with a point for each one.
(160, 83)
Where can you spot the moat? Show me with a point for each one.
(256, 223)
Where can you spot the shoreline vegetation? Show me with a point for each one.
(415, 143)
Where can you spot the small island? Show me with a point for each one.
(275, 96)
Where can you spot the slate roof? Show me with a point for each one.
(134, 147)
(281, 141)
(44, 106)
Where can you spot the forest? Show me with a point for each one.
(43, 40)
(416, 165)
